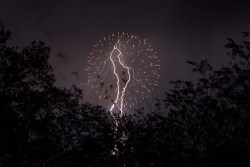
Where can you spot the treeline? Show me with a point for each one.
(199, 123)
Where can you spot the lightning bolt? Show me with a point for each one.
(115, 149)
(119, 98)
(117, 77)
(115, 60)
(126, 85)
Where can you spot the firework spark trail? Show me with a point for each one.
(137, 80)
(89, 80)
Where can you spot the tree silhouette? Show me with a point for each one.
(202, 123)
(198, 123)
(40, 123)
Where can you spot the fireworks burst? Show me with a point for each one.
(123, 70)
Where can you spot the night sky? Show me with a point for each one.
(179, 30)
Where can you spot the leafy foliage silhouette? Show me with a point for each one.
(198, 123)
(41, 125)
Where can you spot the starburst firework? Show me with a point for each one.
(123, 70)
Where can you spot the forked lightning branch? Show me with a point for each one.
(120, 95)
